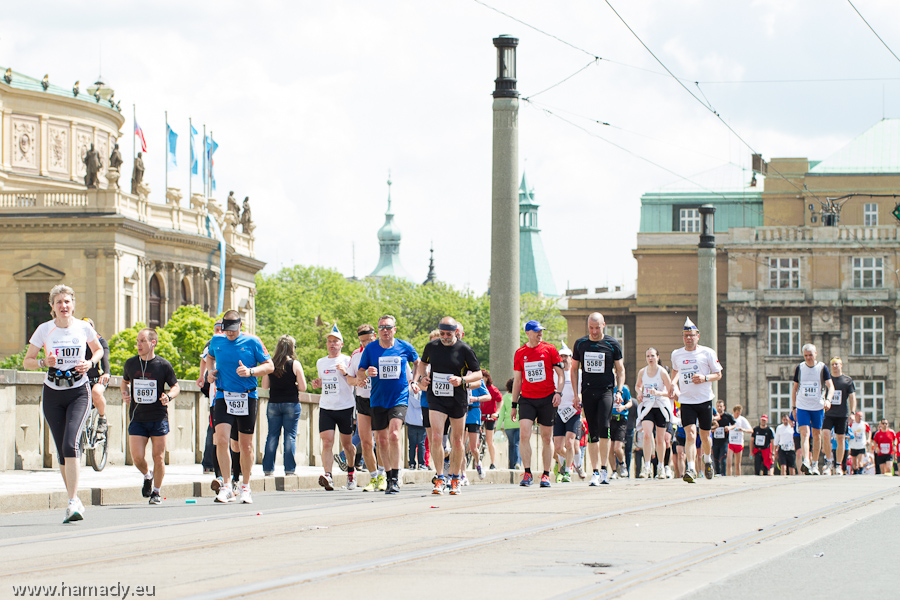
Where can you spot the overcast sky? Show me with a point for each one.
(312, 103)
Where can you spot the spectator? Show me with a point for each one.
(763, 448)
(784, 441)
(510, 427)
(415, 432)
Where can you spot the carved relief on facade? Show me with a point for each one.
(741, 320)
(24, 142)
(58, 148)
(83, 140)
(825, 320)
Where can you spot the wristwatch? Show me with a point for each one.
(251, 371)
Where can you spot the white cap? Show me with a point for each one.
(335, 332)
(565, 350)
(689, 325)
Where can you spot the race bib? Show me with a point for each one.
(650, 391)
(736, 437)
(330, 385)
(534, 372)
(566, 413)
(66, 356)
(687, 374)
(788, 446)
(440, 385)
(760, 441)
(594, 362)
(885, 448)
(836, 399)
(144, 391)
(389, 367)
(810, 391)
(237, 404)
(719, 433)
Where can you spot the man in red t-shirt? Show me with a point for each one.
(883, 441)
(535, 396)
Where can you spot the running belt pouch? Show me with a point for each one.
(64, 379)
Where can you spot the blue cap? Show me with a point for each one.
(533, 326)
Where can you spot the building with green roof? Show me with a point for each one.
(535, 276)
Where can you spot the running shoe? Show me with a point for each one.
(480, 472)
(454, 487)
(556, 469)
(595, 479)
(545, 481)
(804, 467)
(341, 462)
(623, 471)
(373, 483)
(326, 481)
(148, 486)
(245, 495)
(154, 498)
(838, 471)
(566, 477)
(580, 471)
(492, 468)
(216, 483)
(269, 473)
(225, 495)
(690, 476)
(351, 481)
(708, 470)
(438, 487)
(235, 489)
(614, 475)
(527, 480)
(392, 486)
(670, 474)
(72, 512)
(814, 470)
(382, 483)
(827, 470)
(463, 479)
(662, 473)
(604, 477)
(646, 471)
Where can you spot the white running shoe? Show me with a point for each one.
(814, 470)
(351, 481)
(623, 471)
(73, 511)
(670, 474)
(804, 468)
(245, 495)
(604, 477)
(838, 471)
(615, 475)
(690, 476)
(225, 495)
(662, 474)
(595, 479)
(646, 471)
(463, 480)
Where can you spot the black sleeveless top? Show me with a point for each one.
(284, 389)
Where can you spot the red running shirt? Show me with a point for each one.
(536, 367)
(884, 441)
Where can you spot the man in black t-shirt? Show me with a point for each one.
(453, 366)
(843, 404)
(149, 416)
(721, 420)
(763, 448)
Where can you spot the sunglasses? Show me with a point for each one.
(385, 327)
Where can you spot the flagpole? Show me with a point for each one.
(212, 141)
(205, 195)
(190, 158)
(166, 138)
(133, 136)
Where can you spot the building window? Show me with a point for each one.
(868, 335)
(870, 395)
(784, 336)
(617, 332)
(37, 311)
(868, 272)
(870, 215)
(128, 321)
(689, 220)
(155, 303)
(779, 400)
(784, 273)
(185, 293)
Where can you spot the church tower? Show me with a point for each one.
(534, 269)
(389, 242)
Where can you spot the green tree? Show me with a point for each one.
(123, 346)
(190, 328)
(546, 310)
(15, 361)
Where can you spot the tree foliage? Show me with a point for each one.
(123, 346)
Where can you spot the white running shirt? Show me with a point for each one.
(702, 361)
(67, 343)
(336, 392)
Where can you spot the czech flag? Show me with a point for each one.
(140, 133)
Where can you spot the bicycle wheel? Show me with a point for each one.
(97, 453)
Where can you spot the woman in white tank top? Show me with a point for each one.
(653, 388)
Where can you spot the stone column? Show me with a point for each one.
(91, 276)
(707, 305)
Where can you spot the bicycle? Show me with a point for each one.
(94, 444)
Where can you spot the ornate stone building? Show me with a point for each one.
(813, 257)
(128, 258)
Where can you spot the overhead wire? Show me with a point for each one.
(873, 30)
(593, 62)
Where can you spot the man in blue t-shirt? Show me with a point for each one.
(385, 365)
(234, 362)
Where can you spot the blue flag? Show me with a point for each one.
(171, 141)
(211, 147)
(194, 168)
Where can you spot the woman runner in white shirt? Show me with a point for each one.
(653, 387)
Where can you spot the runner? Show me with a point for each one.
(720, 437)
(385, 365)
(237, 400)
(811, 378)
(475, 392)
(363, 391)
(843, 403)
(66, 395)
(453, 367)
(598, 358)
(535, 397)
(148, 415)
(565, 424)
(694, 368)
(784, 440)
(735, 434)
(763, 448)
(883, 442)
(335, 408)
(618, 431)
(99, 379)
(653, 387)
(860, 438)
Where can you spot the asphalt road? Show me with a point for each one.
(639, 539)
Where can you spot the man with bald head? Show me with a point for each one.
(453, 366)
(599, 357)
